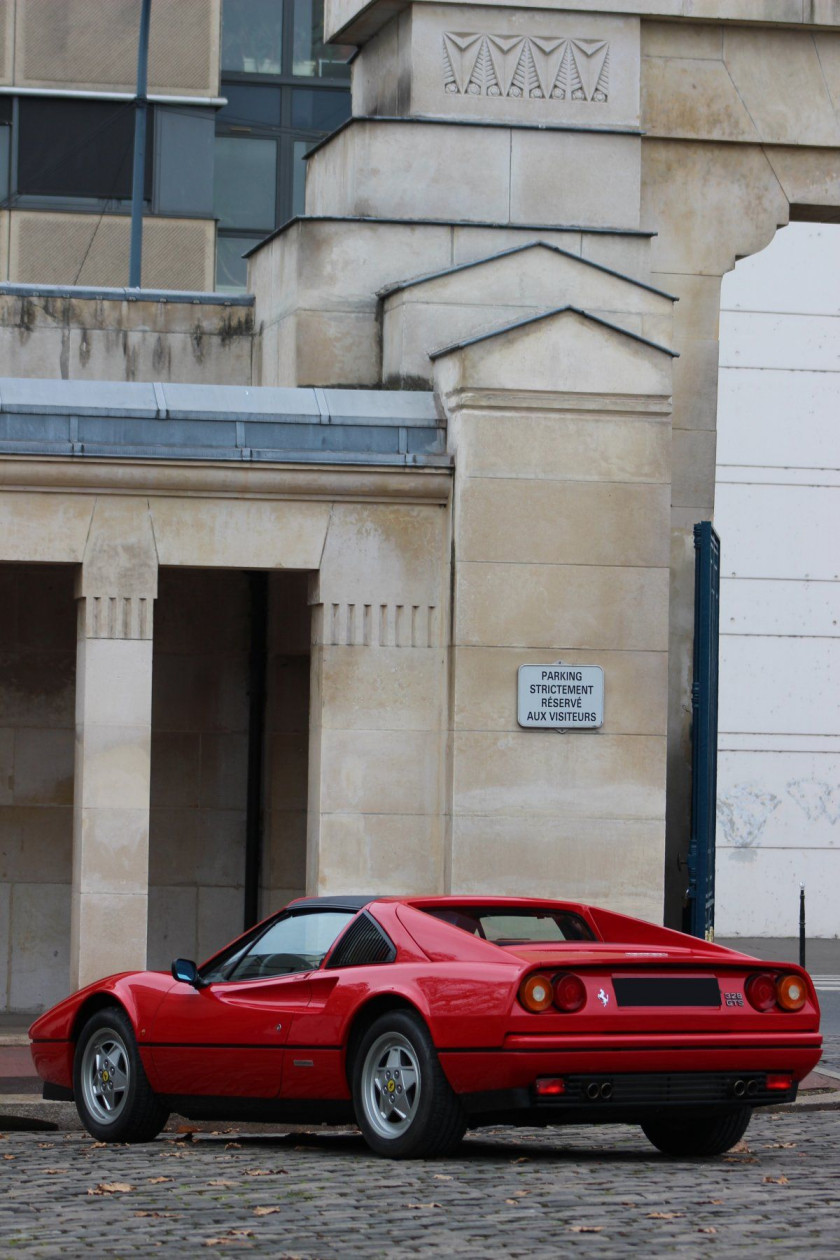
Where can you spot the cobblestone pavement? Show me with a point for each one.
(319, 1195)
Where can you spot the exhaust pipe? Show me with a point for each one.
(752, 1089)
(593, 1091)
(739, 1089)
(606, 1089)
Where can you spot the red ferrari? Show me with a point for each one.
(419, 1017)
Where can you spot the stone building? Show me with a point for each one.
(271, 561)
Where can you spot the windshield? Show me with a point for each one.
(515, 925)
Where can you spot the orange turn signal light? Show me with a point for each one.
(791, 992)
(536, 993)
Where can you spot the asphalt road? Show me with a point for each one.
(530, 1193)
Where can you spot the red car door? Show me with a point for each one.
(225, 1036)
(226, 1039)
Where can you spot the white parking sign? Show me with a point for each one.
(560, 697)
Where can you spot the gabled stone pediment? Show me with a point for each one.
(456, 303)
(563, 351)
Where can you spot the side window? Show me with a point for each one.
(296, 942)
(363, 942)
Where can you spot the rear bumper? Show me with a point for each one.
(612, 1098)
(518, 1064)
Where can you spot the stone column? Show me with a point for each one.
(378, 699)
(116, 588)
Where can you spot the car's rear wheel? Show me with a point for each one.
(701, 1135)
(114, 1099)
(404, 1104)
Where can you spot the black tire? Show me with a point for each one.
(405, 1107)
(699, 1136)
(113, 1096)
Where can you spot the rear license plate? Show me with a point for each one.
(666, 990)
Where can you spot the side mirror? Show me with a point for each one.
(185, 970)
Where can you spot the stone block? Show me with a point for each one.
(114, 763)
(711, 203)
(393, 853)
(39, 922)
(385, 688)
(49, 528)
(383, 553)
(585, 774)
(695, 386)
(43, 766)
(172, 925)
(174, 850)
(7, 766)
(694, 99)
(635, 683)
(563, 858)
(224, 770)
(35, 845)
(284, 854)
(204, 691)
(110, 935)
(409, 170)
(791, 58)
(561, 352)
(220, 919)
(5, 917)
(590, 447)
(526, 66)
(518, 520)
(113, 850)
(37, 687)
(694, 470)
(239, 533)
(335, 348)
(561, 607)
(694, 40)
(287, 755)
(575, 178)
(113, 683)
(380, 772)
(176, 769)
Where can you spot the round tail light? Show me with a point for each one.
(569, 992)
(535, 993)
(791, 992)
(761, 991)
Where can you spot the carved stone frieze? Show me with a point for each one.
(115, 616)
(376, 625)
(530, 67)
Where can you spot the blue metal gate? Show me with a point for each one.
(704, 732)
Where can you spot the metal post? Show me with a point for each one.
(141, 104)
(801, 925)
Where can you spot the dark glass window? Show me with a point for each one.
(291, 943)
(285, 90)
(69, 148)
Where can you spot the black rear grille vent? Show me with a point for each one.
(666, 990)
(363, 942)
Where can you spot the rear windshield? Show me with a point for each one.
(515, 925)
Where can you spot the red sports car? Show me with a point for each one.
(418, 1017)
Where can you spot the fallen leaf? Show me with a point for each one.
(156, 1181)
(55, 1172)
(45, 1146)
(219, 1182)
(716, 1200)
(664, 1216)
(417, 1206)
(235, 1146)
(522, 1159)
(739, 1146)
(441, 1176)
(627, 1203)
(111, 1187)
(707, 1229)
(777, 1181)
(260, 1172)
(586, 1229)
(266, 1211)
(97, 1146)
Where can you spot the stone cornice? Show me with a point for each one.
(55, 474)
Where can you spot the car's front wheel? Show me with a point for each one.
(404, 1104)
(700, 1135)
(114, 1099)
